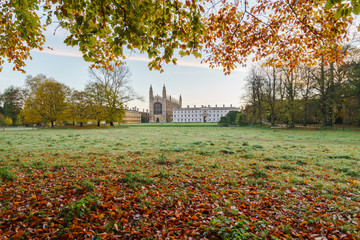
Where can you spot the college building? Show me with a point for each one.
(201, 114)
(161, 107)
(133, 115)
(168, 109)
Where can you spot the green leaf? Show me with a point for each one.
(337, 15)
(356, 9)
(329, 4)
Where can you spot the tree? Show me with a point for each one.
(113, 90)
(98, 101)
(344, 8)
(270, 85)
(8, 121)
(255, 87)
(228, 31)
(351, 93)
(79, 107)
(2, 120)
(12, 99)
(46, 103)
(306, 86)
(102, 29)
(228, 119)
(241, 119)
(291, 85)
(284, 33)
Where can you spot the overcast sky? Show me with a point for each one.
(197, 84)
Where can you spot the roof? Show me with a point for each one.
(208, 108)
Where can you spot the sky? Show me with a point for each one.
(196, 82)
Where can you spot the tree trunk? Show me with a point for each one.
(273, 100)
(98, 124)
(291, 104)
(111, 124)
(323, 99)
(331, 98)
(52, 124)
(305, 113)
(73, 123)
(81, 124)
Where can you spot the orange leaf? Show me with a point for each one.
(195, 218)
(303, 223)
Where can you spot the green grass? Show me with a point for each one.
(193, 180)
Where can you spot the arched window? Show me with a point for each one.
(157, 108)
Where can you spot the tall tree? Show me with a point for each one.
(46, 103)
(270, 86)
(79, 107)
(306, 86)
(96, 95)
(291, 84)
(2, 120)
(255, 85)
(114, 89)
(12, 100)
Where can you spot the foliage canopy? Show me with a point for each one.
(228, 32)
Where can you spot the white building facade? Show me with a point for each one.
(201, 114)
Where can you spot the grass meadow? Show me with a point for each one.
(186, 181)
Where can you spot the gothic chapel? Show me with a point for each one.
(161, 107)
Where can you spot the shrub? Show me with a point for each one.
(8, 121)
(240, 119)
(229, 119)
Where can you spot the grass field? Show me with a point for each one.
(179, 182)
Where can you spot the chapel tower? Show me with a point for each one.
(161, 107)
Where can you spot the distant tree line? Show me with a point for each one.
(325, 94)
(43, 100)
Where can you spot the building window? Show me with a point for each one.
(157, 108)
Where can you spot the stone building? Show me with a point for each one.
(132, 116)
(135, 116)
(201, 114)
(161, 107)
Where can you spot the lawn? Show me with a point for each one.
(187, 181)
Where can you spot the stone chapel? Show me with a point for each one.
(161, 107)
